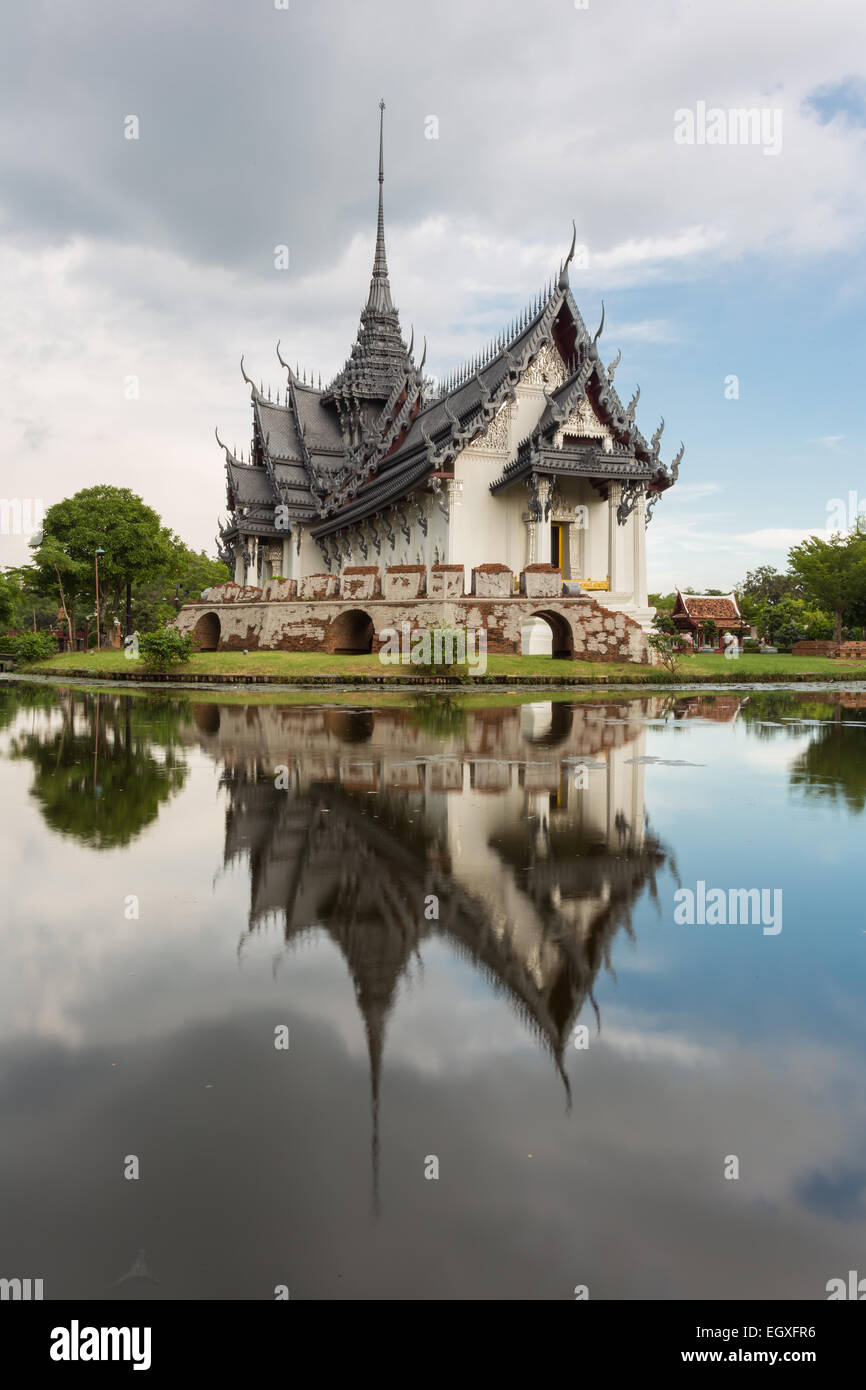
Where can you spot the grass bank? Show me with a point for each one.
(313, 668)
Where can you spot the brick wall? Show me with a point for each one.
(815, 649)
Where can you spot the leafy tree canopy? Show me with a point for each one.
(833, 574)
(136, 544)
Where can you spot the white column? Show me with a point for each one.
(453, 494)
(531, 529)
(286, 563)
(614, 537)
(576, 548)
(240, 571)
(544, 485)
(638, 517)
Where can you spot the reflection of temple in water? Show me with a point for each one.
(525, 822)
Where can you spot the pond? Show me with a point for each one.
(432, 997)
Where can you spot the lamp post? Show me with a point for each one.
(174, 598)
(99, 551)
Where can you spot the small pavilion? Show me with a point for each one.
(692, 614)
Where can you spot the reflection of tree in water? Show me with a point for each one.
(16, 697)
(834, 766)
(439, 715)
(98, 778)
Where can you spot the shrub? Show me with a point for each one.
(667, 650)
(786, 634)
(32, 646)
(451, 639)
(165, 648)
(663, 622)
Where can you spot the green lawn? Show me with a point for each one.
(305, 665)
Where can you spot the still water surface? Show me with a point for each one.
(438, 900)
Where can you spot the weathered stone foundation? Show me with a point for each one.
(345, 615)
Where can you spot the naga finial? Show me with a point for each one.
(563, 274)
(246, 378)
(598, 331)
(280, 359)
(613, 366)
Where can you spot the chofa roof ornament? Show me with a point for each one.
(563, 274)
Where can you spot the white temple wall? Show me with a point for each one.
(437, 539)
(310, 560)
(482, 527)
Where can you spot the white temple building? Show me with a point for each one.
(525, 456)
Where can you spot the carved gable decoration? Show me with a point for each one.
(546, 369)
(583, 423)
(496, 438)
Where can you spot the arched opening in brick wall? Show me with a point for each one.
(562, 641)
(206, 632)
(352, 633)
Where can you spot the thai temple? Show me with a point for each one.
(523, 462)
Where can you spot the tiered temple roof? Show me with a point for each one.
(379, 431)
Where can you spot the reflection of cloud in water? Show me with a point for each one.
(663, 762)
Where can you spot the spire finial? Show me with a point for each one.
(379, 298)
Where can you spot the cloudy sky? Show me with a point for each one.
(148, 264)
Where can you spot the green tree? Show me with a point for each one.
(136, 546)
(663, 602)
(187, 574)
(667, 650)
(8, 595)
(759, 593)
(832, 573)
(663, 622)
